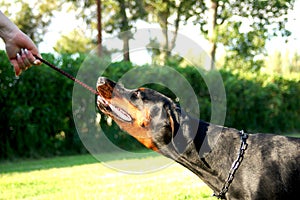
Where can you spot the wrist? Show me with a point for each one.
(8, 29)
(8, 33)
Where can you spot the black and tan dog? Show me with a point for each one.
(271, 165)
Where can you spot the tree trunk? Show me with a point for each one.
(165, 46)
(125, 35)
(126, 56)
(99, 27)
(163, 22)
(176, 24)
(212, 20)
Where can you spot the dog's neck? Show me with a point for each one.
(200, 147)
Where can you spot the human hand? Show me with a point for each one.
(21, 50)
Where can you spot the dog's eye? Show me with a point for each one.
(136, 95)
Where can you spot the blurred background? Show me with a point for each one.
(255, 45)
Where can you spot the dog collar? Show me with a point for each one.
(235, 166)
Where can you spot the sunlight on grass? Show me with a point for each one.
(72, 179)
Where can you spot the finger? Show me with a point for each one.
(20, 62)
(17, 69)
(31, 58)
(25, 59)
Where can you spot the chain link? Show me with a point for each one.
(234, 167)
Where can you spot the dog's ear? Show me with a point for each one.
(179, 141)
(173, 113)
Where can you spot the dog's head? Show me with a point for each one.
(147, 115)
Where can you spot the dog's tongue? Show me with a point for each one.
(120, 113)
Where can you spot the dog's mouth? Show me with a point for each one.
(113, 110)
(106, 88)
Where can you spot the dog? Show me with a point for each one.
(234, 165)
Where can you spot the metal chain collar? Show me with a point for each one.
(234, 167)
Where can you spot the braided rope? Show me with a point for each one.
(68, 75)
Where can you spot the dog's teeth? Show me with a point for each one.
(120, 113)
(117, 111)
(101, 100)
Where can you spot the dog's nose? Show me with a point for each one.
(101, 81)
(105, 83)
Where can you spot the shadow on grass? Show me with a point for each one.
(65, 161)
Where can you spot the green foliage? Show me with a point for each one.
(36, 115)
(167, 13)
(285, 63)
(242, 27)
(122, 14)
(74, 42)
(36, 109)
(33, 18)
(263, 102)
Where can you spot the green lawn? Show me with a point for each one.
(83, 177)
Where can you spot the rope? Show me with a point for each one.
(68, 75)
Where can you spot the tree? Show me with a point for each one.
(99, 26)
(87, 11)
(274, 62)
(118, 16)
(33, 17)
(282, 62)
(123, 13)
(161, 12)
(295, 63)
(241, 26)
(74, 42)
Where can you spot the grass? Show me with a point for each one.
(83, 177)
(296, 135)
